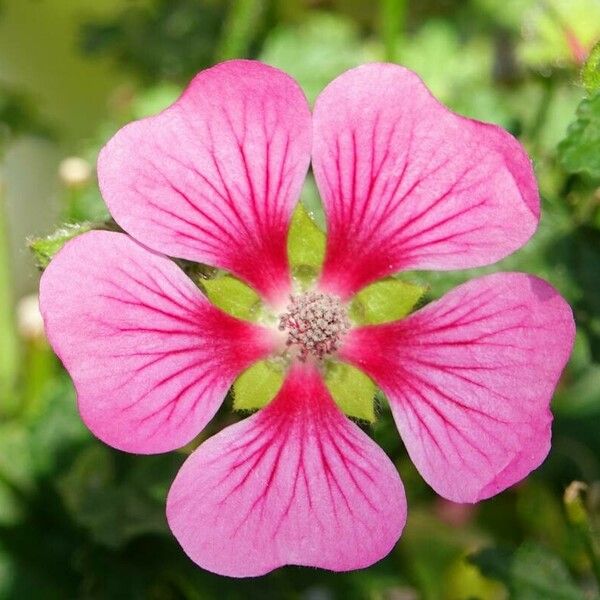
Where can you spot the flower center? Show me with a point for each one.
(315, 323)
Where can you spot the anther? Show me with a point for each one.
(315, 323)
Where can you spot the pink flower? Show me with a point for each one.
(406, 184)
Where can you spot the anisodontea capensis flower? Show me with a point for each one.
(406, 184)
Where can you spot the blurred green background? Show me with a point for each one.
(80, 520)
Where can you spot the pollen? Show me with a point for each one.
(315, 324)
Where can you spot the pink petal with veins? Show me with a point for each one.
(296, 483)
(150, 357)
(469, 379)
(214, 178)
(408, 184)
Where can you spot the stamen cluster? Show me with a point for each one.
(315, 323)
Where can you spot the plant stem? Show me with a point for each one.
(541, 114)
(8, 335)
(392, 17)
(240, 27)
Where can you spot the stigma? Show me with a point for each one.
(315, 323)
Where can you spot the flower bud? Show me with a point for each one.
(29, 318)
(75, 172)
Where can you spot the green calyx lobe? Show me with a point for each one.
(351, 389)
(386, 300)
(233, 297)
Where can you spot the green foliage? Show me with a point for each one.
(172, 39)
(590, 74)
(579, 150)
(470, 61)
(18, 116)
(116, 507)
(530, 573)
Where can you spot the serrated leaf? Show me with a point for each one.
(532, 572)
(537, 573)
(305, 245)
(579, 150)
(232, 296)
(114, 500)
(257, 386)
(352, 391)
(493, 563)
(590, 74)
(44, 248)
(385, 300)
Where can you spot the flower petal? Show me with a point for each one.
(150, 357)
(215, 177)
(470, 378)
(408, 184)
(296, 483)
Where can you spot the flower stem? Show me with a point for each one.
(8, 335)
(541, 114)
(392, 18)
(243, 20)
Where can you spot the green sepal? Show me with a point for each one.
(385, 300)
(352, 390)
(305, 245)
(233, 297)
(45, 248)
(257, 386)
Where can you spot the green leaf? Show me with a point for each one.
(532, 572)
(582, 398)
(305, 245)
(493, 563)
(115, 498)
(257, 386)
(579, 150)
(590, 74)
(233, 296)
(16, 471)
(44, 248)
(537, 573)
(352, 390)
(385, 300)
